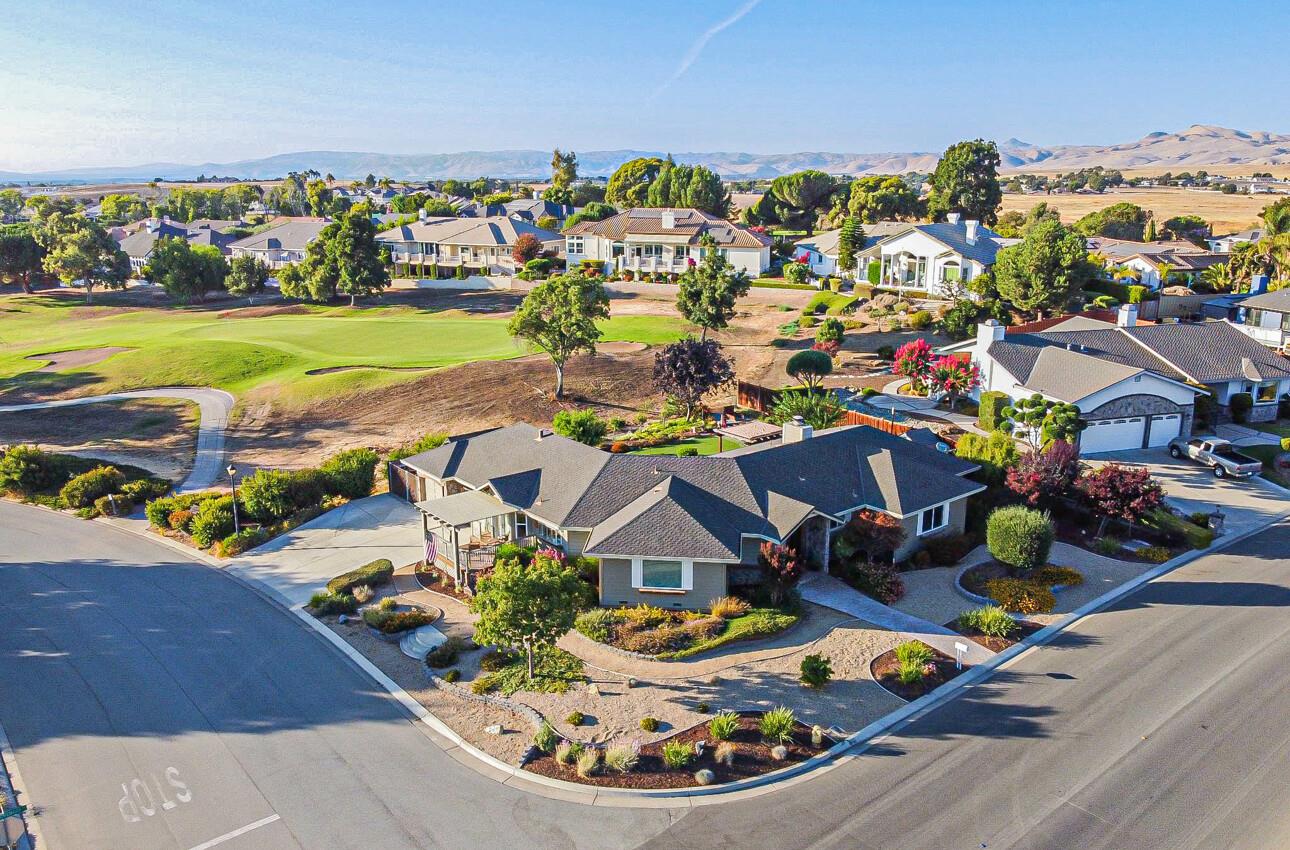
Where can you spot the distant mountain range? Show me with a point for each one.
(1197, 146)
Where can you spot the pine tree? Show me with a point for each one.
(1151, 231)
(850, 240)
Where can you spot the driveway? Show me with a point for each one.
(1190, 487)
(298, 564)
(215, 406)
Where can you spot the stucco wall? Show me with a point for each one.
(616, 586)
(958, 522)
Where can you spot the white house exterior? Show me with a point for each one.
(447, 243)
(933, 258)
(1229, 243)
(821, 249)
(1182, 268)
(1265, 316)
(664, 240)
(281, 245)
(1135, 385)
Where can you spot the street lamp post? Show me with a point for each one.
(232, 477)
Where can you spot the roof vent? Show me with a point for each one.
(542, 432)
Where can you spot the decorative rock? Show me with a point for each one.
(496, 729)
(714, 679)
(593, 689)
(705, 777)
(779, 752)
(817, 736)
(631, 681)
(343, 619)
(698, 749)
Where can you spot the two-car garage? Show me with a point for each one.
(1129, 432)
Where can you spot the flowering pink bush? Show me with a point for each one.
(913, 360)
(953, 376)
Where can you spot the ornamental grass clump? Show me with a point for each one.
(588, 762)
(677, 754)
(724, 726)
(729, 607)
(913, 658)
(989, 620)
(621, 758)
(776, 725)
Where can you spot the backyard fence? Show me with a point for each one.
(761, 399)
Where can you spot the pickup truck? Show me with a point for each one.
(1219, 455)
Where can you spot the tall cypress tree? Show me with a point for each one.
(850, 240)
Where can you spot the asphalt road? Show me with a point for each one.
(155, 703)
(1160, 723)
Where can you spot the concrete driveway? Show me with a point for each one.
(298, 564)
(1190, 487)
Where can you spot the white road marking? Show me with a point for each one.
(235, 833)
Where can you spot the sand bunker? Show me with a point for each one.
(60, 361)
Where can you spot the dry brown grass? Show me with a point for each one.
(1227, 213)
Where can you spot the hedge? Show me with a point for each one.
(350, 473)
(774, 283)
(874, 273)
(1125, 293)
(1020, 537)
(266, 495)
(213, 521)
(378, 572)
(987, 415)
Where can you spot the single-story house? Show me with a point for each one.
(1182, 268)
(484, 243)
(1135, 384)
(932, 258)
(821, 249)
(282, 244)
(675, 531)
(1265, 316)
(664, 240)
(139, 245)
(1229, 243)
(528, 209)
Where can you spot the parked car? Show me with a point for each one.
(1219, 455)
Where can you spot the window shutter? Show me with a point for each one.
(638, 577)
(687, 575)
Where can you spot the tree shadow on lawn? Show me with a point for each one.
(35, 386)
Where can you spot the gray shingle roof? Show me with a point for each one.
(698, 507)
(494, 231)
(288, 236)
(1210, 352)
(1277, 300)
(691, 223)
(1059, 373)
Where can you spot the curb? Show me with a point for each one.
(11, 778)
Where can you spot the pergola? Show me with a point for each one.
(450, 520)
(747, 433)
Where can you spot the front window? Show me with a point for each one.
(1267, 392)
(932, 519)
(573, 245)
(681, 251)
(521, 525)
(661, 575)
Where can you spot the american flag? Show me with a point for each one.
(432, 550)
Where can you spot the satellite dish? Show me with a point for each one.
(942, 447)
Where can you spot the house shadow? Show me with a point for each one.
(1238, 594)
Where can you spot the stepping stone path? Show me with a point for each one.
(420, 641)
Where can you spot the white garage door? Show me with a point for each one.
(1112, 435)
(1164, 429)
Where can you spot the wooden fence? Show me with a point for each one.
(761, 399)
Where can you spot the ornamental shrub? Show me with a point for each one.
(582, 426)
(349, 473)
(677, 754)
(830, 330)
(723, 726)
(143, 489)
(1051, 576)
(325, 604)
(307, 487)
(877, 579)
(266, 495)
(1021, 596)
(82, 490)
(1019, 537)
(988, 410)
(649, 724)
(376, 573)
(815, 671)
(796, 273)
(947, 550)
(25, 470)
(989, 620)
(213, 521)
(393, 622)
(113, 505)
(1241, 404)
(776, 725)
(920, 320)
(545, 738)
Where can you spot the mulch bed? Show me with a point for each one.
(752, 758)
(438, 581)
(974, 578)
(885, 669)
(1025, 629)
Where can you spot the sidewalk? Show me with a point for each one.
(832, 593)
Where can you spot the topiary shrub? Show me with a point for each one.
(349, 473)
(82, 490)
(1021, 596)
(988, 415)
(376, 573)
(1020, 537)
(1240, 404)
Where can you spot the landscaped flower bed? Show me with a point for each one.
(911, 677)
(89, 486)
(1017, 591)
(993, 628)
(668, 635)
(751, 756)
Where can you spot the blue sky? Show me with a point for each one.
(117, 83)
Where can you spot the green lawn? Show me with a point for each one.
(1281, 427)
(707, 445)
(196, 347)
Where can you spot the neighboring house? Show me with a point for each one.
(1116, 250)
(664, 240)
(676, 532)
(484, 243)
(1265, 316)
(282, 244)
(1229, 243)
(1182, 269)
(933, 258)
(1134, 384)
(139, 245)
(528, 209)
(821, 250)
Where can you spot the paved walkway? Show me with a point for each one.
(215, 406)
(1239, 435)
(299, 563)
(832, 593)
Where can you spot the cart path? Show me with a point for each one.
(215, 406)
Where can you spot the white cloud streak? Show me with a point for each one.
(692, 55)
